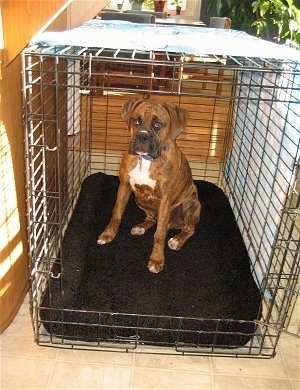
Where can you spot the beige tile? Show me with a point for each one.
(173, 362)
(295, 385)
(22, 344)
(83, 376)
(18, 338)
(273, 368)
(290, 349)
(25, 365)
(147, 379)
(100, 357)
(24, 373)
(21, 324)
(222, 382)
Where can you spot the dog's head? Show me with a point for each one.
(153, 125)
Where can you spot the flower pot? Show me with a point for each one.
(178, 9)
(159, 5)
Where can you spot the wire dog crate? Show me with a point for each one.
(242, 135)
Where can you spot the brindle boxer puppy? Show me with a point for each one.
(159, 175)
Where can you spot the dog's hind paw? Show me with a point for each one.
(174, 244)
(137, 231)
(155, 266)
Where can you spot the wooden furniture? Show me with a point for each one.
(161, 15)
(122, 74)
(128, 16)
(180, 21)
(208, 76)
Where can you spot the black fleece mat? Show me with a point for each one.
(205, 294)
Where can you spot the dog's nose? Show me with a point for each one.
(143, 136)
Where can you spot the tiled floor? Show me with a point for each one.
(24, 365)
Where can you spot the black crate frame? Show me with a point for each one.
(60, 87)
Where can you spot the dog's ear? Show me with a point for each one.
(127, 107)
(179, 117)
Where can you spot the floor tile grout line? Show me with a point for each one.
(285, 364)
(212, 381)
(52, 372)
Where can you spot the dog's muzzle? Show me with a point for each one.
(145, 142)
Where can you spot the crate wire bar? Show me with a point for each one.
(242, 135)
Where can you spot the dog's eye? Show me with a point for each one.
(136, 121)
(157, 125)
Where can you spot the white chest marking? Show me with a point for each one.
(140, 174)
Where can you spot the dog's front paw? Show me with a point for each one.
(104, 239)
(155, 266)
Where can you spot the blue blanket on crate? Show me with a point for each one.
(117, 34)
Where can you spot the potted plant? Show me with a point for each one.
(120, 5)
(177, 3)
(136, 4)
(278, 20)
(159, 5)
